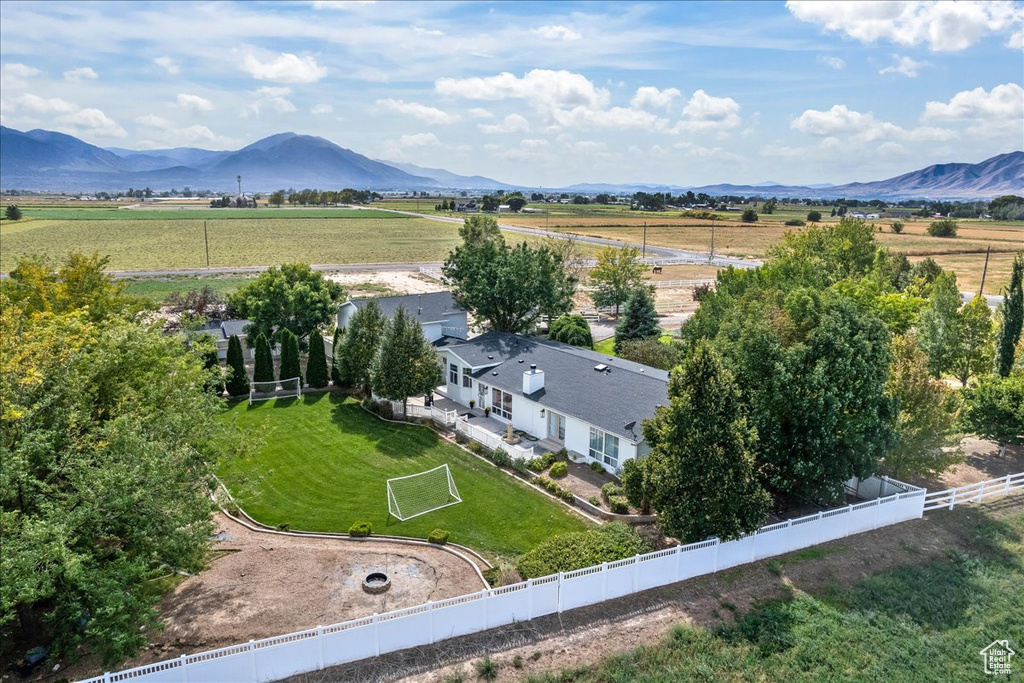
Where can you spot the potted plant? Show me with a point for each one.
(472, 404)
(487, 412)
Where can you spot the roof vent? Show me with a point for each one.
(600, 367)
(490, 357)
(533, 366)
(520, 360)
(495, 373)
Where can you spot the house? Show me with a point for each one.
(586, 402)
(466, 207)
(221, 331)
(437, 312)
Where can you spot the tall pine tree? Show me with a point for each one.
(263, 371)
(339, 339)
(939, 328)
(700, 475)
(215, 383)
(407, 363)
(362, 339)
(639, 319)
(316, 362)
(290, 368)
(238, 379)
(1012, 315)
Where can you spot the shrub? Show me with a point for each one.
(510, 577)
(947, 227)
(438, 537)
(749, 216)
(486, 669)
(813, 216)
(795, 222)
(384, 410)
(562, 454)
(610, 489)
(596, 466)
(284, 527)
(517, 662)
(501, 458)
(896, 227)
(559, 470)
(360, 530)
(476, 447)
(566, 495)
(595, 501)
(541, 463)
(571, 329)
(520, 465)
(618, 504)
(566, 552)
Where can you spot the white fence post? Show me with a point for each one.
(981, 493)
(529, 602)
(376, 635)
(252, 660)
(320, 646)
(1006, 487)
(952, 499)
(636, 569)
(558, 603)
(184, 668)
(430, 609)
(604, 580)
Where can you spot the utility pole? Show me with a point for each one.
(984, 272)
(206, 238)
(239, 186)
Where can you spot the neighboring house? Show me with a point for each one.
(221, 333)
(466, 207)
(438, 314)
(589, 403)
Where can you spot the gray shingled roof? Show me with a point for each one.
(234, 327)
(427, 308)
(610, 399)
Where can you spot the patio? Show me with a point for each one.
(476, 418)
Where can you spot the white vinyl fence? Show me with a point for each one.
(492, 440)
(974, 493)
(305, 651)
(445, 418)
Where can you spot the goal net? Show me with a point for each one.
(262, 391)
(418, 494)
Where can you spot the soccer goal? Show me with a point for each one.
(262, 391)
(418, 494)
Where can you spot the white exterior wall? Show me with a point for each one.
(432, 331)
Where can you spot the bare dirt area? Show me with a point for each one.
(263, 585)
(982, 461)
(588, 635)
(386, 282)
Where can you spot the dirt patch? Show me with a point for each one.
(264, 585)
(389, 281)
(983, 460)
(585, 482)
(588, 635)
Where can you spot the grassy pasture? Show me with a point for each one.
(323, 463)
(158, 289)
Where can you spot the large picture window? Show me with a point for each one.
(453, 374)
(604, 447)
(467, 379)
(501, 403)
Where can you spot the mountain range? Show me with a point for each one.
(41, 160)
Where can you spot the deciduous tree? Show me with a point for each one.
(12, 213)
(939, 328)
(616, 275)
(700, 475)
(994, 409)
(974, 348)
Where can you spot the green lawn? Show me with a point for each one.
(158, 289)
(607, 346)
(923, 622)
(324, 462)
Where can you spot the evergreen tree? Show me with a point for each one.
(339, 339)
(700, 475)
(238, 379)
(290, 367)
(406, 363)
(316, 363)
(939, 325)
(639, 319)
(362, 339)
(572, 329)
(215, 383)
(263, 371)
(1012, 318)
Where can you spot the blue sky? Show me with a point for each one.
(536, 93)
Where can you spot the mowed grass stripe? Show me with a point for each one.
(324, 463)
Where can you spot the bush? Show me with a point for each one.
(541, 463)
(566, 552)
(475, 447)
(813, 216)
(795, 222)
(896, 227)
(947, 227)
(572, 329)
(360, 530)
(559, 470)
(567, 495)
(520, 465)
(596, 466)
(486, 669)
(618, 504)
(749, 216)
(384, 410)
(610, 489)
(501, 458)
(595, 501)
(438, 537)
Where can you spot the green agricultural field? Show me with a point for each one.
(923, 622)
(324, 462)
(158, 289)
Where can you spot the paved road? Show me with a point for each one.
(226, 270)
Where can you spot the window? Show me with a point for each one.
(604, 447)
(453, 374)
(501, 403)
(467, 379)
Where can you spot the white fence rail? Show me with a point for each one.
(314, 649)
(433, 273)
(974, 493)
(492, 440)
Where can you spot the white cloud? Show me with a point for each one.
(272, 97)
(427, 114)
(16, 70)
(648, 97)
(285, 68)
(341, 4)
(557, 32)
(153, 121)
(903, 65)
(705, 112)
(543, 88)
(419, 30)
(82, 73)
(513, 123)
(168, 65)
(944, 26)
(1000, 110)
(1016, 41)
(91, 122)
(840, 120)
(40, 105)
(194, 103)
(322, 109)
(419, 140)
(480, 113)
(620, 118)
(834, 62)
